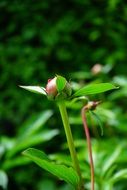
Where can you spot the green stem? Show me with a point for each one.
(70, 141)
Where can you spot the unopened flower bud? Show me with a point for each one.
(52, 92)
(51, 88)
(96, 69)
(92, 105)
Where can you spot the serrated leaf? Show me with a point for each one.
(63, 172)
(3, 179)
(35, 89)
(60, 83)
(94, 89)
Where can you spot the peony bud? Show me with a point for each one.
(96, 69)
(92, 105)
(51, 88)
(54, 94)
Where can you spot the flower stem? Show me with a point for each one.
(84, 109)
(70, 141)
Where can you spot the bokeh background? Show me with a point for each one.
(85, 41)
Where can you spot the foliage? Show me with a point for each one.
(39, 39)
(63, 172)
(32, 133)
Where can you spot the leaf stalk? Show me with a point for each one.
(83, 111)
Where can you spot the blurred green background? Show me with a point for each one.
(85, 41)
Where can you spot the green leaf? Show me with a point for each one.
(3, 180)
(17, 161)
(35, 89)
(32, 141)
(94, 89)
(60, 83)
(111, 159)
(63, 172)
(98, 119)
(34, 124)
(33, 133)
(122, 174)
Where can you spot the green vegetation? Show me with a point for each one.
(84, 41)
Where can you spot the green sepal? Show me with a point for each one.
(60, 83)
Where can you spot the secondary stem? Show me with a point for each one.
(84, 109)
(70, 141)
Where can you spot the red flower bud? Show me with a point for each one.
(52, 92)
(51, 88)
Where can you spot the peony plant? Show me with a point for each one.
(59, 90)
